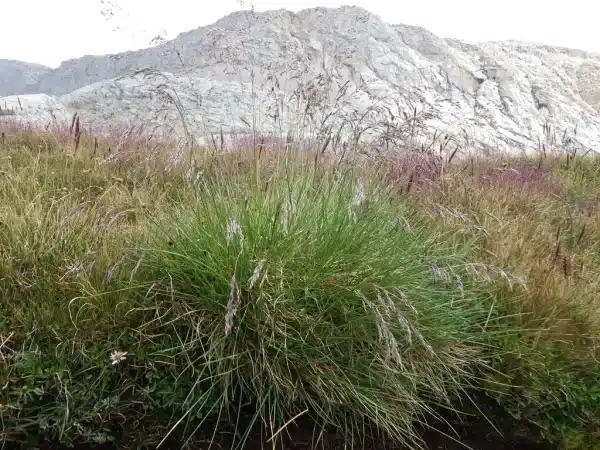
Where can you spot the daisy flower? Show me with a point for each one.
(117, 356)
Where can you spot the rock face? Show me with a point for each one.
(36, 109)
(331, 72)
(18, 77)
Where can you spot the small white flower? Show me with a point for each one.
(117, 356)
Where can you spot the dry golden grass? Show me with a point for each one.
(530, 222)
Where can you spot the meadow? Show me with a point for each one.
(145, 302)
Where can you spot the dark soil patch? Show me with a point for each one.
(476, 435)
(471, 430)
(304, 438)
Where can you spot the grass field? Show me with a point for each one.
(140, 301)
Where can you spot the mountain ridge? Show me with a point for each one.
(497, 94)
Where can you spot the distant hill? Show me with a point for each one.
(17, 77)
(245, 66)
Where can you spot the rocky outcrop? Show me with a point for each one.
(335, 71)
(35, 109)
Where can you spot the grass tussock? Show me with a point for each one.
(143, 300)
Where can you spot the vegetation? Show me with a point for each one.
(142, 300)
(6, 111)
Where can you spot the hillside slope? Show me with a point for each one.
(322, 69)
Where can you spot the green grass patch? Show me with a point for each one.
(265, 291)
(284, 290)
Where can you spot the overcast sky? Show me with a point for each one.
(50, 31)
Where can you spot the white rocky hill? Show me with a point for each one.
(339, 73)
(19, 77)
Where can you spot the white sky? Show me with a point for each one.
(50, 31)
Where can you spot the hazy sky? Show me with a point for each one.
(50, 31)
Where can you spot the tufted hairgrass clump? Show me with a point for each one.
(307, 294)
(141, 305)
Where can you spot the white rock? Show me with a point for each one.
(241, 72)
(36, 109)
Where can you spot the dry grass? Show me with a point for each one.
(538, 219)
(524, 217)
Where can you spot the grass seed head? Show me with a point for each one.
(234, 229)
(232, 306)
